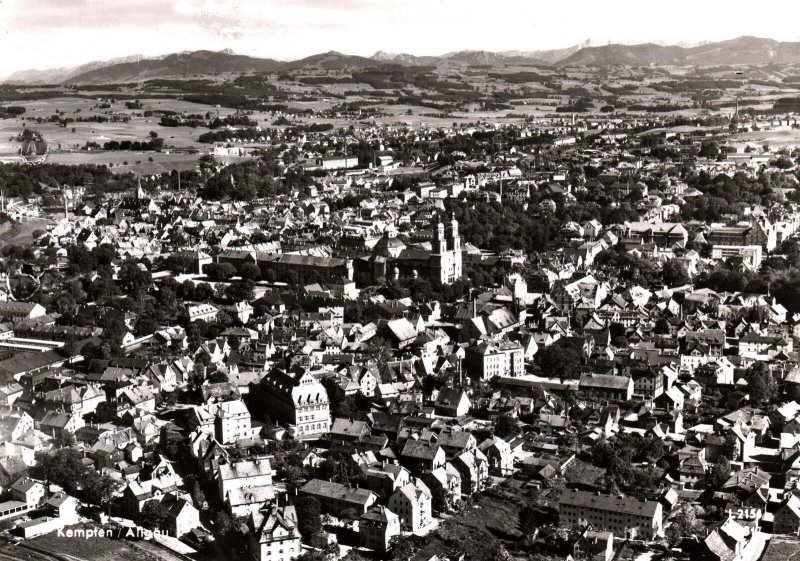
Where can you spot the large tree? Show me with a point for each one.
(558, 360)
(154, 515)
(309, 520)
(65, 467)
(760, 383)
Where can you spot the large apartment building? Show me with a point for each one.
(297, 398)
(496, 358)
(624, 516)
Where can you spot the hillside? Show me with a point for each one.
(487, 58)
(550, 56)
(745, 50)
(405, 59)
(331, 60)
(742, 50)
(59, 75)
(626, 55)
(175, 65)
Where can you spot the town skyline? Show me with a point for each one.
(360, 280)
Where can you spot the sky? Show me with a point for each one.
(57, 33)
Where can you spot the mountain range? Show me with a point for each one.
(741, 51)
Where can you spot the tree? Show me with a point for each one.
(65, 439)
(114, 330)
(239, 291)
(529, 519)
(719, 473)
(100, 489)
(65, 467)
(198, 497)
(506, 426)
(558, 360)
(133, 279)
(225, 525)
(402, 548)
(309, 520)
(683, 524)
(181, 262)
(340, 468)
(220, 271)
(250, 271)
(146, 326)
(730, 446)
(154, 515)
(709, 150)
(675, 273)
(312, 556)
(440, 499)
(662, 327)
(760, 383)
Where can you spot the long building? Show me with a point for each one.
(624, 516)
(338, 499)
(282, 265)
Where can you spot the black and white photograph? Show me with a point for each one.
(372, 280)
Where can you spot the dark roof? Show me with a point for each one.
(420, 450)
(609, 503)
(22, 363)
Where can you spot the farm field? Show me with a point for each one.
(776, 139)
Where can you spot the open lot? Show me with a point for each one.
(782, 548)
(52, 547)
(777, 139)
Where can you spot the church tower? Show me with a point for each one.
(140, 194)
(439, 257)
(455, 247)
(439, 244)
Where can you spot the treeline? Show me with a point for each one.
(143, 145)
(215, 123)
(404, 77)
(64, 121)
(787, 104)
(24, 181)
(519, 77)
(580, 106)
(11, 111)
(313, 127)
(658, 108)
(696, 85)
(320, 80)
(226, 135)
(729, 195)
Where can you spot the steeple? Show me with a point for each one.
(140, 194)
(439, 244)
(453, 236)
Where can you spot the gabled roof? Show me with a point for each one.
(422, 450)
